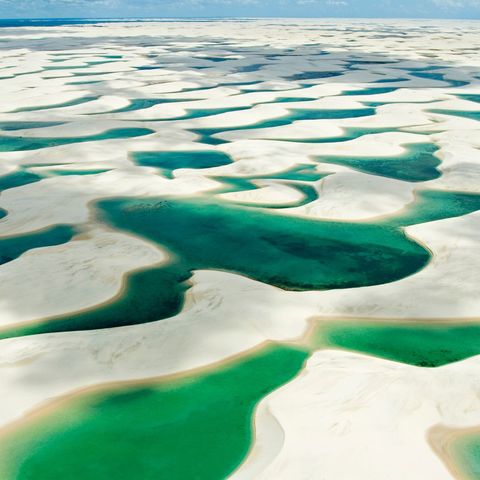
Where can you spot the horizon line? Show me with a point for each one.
(236, 17)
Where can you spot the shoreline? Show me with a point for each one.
(441, 438)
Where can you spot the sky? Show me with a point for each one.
(232, 8)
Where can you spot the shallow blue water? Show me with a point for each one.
(143, 103)
(250, 68)
(472, 97)
(169, 161)
(418, 164)
(391, 80)
(439, 77)
(472, 115)
(18, 179)
(207, 134)
(70, 103)
(11, 126)
(19, 143)
(370, 91)
(12, 247)
(313, 75)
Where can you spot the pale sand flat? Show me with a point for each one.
(266, 194)
(356, 196)
(353, 416)
(64, 200)
(226, 314)
(238, 314)
(445, 288)
(92, 266)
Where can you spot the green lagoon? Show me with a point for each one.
(20, 143)
(198, 426)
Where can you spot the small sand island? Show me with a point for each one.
(242, 249)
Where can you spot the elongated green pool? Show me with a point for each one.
(195, 427)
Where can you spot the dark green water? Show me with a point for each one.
(350, 133)
(63, 67)
(90, 74)
(424, 345)
(237, 84)
(150, 67)
(99, 62)
(192, 113)
(14, 246)
(71, 103)
(439, 77)
(167, 162)
(298, 173)
(250, 68)
(288, 252)
(143, 103)
(149, 295)
(379, 104)
(313, 75)
(370, 91)
(391, 80)
(17, 179)
(68, 173)
(472, 115)
(213, 87)
(308, 192)
(351, 63)
(207, 134)
(197, 427)
(21, 74)
(214, 59)
(18, 143)
(292, 99)
(431, 205)
(423, 69)
(303, 172)
(315, 254)
(418, 164)
(24, 177)
(89, 82)
(11, 126)
(472, 97)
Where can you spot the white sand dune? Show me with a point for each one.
(65, 200)
(224, 315)
(92, 265)
(356, 196)
(346, 415)
(445, 288)
(353, 416)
